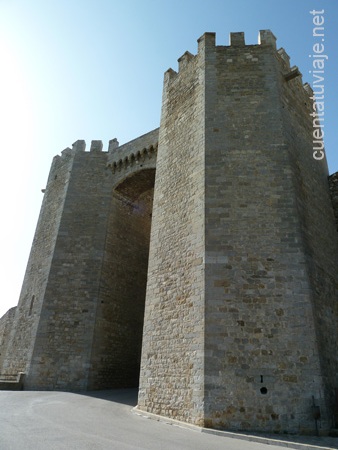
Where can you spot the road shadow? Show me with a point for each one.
(128, 397)
(123, 396)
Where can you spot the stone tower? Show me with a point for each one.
(226, 257)
(240, 324)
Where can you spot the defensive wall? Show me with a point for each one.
(198, 261)
(88, 259)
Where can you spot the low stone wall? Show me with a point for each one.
(6, 322)
(12, 382)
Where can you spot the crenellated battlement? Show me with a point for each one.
(138, 151)
(134, 158)
(237, 39)
(96, 146)
(266, 37)
(284, 56)
(238, 48)
(208, 41)
(79, 146)
(113, 145)
(184, 60)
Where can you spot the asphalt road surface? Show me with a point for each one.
(97, 421)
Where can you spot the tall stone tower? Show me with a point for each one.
(240, 327)
(225, 258)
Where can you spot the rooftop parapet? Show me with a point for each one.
(144, 146)
(237, 39)
(308, 89)
(96, 146)
(113, 145)
(184, 60)
(66, 152)
(169, 74)
(266, 37)
(79, 146)
(285, 57)
(207, 40)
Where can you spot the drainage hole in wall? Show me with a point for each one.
(264, 390)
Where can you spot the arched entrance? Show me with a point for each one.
(117, 343)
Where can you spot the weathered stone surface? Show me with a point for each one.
(80, 315)
(6, 325)
(215, 234)
(240, 210)
(333, 182)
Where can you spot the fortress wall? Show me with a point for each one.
(6, 324)
(84, 287)
(61, 357)
(116, 349)
(28, 312)
(171, 378)
(233, 243)
(320, 238)
(260, 333)
(135, 147)
(262, 357)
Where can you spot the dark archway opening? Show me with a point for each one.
(117, 346)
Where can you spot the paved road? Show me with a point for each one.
(101, 421)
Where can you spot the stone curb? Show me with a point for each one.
(228, 434)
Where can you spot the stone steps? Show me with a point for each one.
(12, 382)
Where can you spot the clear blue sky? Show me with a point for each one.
(93, 69)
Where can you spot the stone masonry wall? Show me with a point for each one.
(320, 239)
(262, 354)
(6, 324)
(90, 331)
(116, 349)
(82, 325)
(333, 182)
(215, 234)
(28, 313)
(63, 345)
(123, 159)
(171, 378)
(238, 112)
